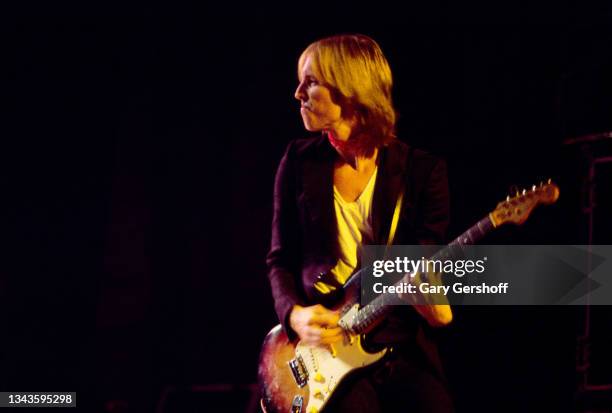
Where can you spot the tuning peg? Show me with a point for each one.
(524, 191)
(541, 184)
(508, 198)
(533, 188)
(549, 181)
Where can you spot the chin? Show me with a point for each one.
(309, 125)
(311, 128)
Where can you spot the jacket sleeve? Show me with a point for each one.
(435, 207)
(283, 259)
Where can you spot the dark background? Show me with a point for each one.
(139, 147)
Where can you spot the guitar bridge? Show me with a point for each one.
(298, 368)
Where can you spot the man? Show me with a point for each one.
(334, 194)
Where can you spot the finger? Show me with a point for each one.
(313, 332)
(330, 332)
(329, 319)
(324, 333)
(319, 309)
(312, 336)
(332, 338)
(319, 332)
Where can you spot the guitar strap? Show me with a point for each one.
(398, 204)
(396, 215)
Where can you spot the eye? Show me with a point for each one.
(311, 82)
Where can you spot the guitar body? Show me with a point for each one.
(295, 377)
(316, 371)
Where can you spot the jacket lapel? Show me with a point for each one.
(391, 168)
(319, 195)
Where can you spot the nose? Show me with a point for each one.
(300, 94)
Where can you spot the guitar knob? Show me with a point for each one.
(312, 409)
(319, 377)
(318, 394)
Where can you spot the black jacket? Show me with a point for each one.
(304, 230)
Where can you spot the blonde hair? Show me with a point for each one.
(354, 67)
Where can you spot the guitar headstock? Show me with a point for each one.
(517, 209)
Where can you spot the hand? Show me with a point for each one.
(434, 307)
(416, 296)
(315, 325)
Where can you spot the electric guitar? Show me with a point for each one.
(297, 378)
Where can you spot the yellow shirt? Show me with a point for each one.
(354, 221)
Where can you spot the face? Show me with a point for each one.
(319, 111)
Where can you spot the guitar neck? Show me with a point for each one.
(374, 312)
(470, 237)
